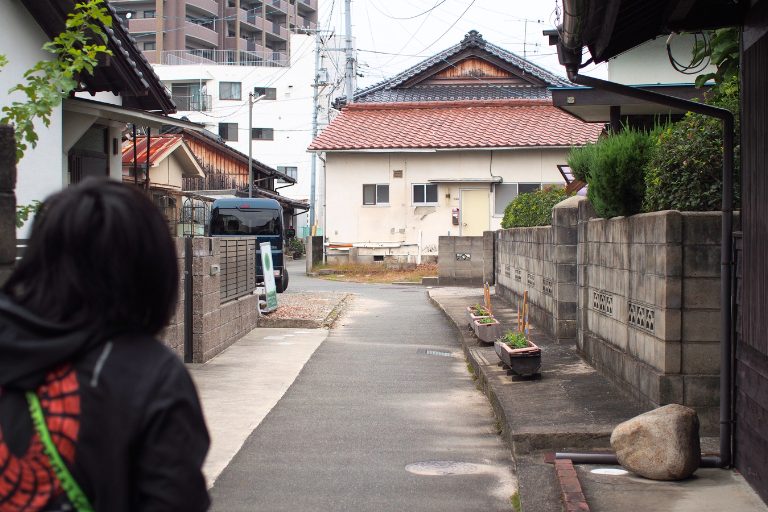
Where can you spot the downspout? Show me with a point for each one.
(726, 259)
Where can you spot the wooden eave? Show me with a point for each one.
(426, 76)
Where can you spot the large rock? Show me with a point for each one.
(662, 444)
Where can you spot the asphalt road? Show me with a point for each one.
(366, 405)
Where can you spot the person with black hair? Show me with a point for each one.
(82, 376)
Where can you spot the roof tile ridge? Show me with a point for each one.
(402, 105)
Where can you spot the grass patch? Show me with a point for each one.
(515, 501)
(377, 274)
(471, 372)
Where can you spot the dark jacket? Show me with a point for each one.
(122, 410)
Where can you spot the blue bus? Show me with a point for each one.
(262, 218)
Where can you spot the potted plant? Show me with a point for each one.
(519, 353)
(475, 312)
(487, 328)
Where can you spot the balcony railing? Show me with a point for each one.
(226, 57)
(192, 103)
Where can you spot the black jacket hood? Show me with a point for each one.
(31, 346)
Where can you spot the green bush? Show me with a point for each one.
(580, 160)
(685, 171)
(617, 172)
(533, 209)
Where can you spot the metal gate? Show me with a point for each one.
(238, 266)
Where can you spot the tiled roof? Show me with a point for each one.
(454, 124)
(455, 93)
(159, 147)
(471, 40)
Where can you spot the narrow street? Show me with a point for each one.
(366, 405)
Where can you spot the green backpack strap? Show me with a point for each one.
(74, 493)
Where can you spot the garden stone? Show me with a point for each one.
(662, 444)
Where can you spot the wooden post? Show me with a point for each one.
(518, 316)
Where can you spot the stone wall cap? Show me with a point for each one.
(571, 202)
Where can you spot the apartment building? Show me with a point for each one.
(249, 33)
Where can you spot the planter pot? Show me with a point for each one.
(522, 361)
(471, 317)
(487, 332)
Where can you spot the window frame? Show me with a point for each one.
(495, 192)
(231, 98)
(153, 45)
(376, 194)
(271, 131)
(229, 131)
(436, 202)
(269, 92)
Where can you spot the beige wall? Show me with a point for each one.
(168, 172)
(350, 222)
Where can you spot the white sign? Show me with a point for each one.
(268, 269)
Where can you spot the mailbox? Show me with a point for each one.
(455, 216)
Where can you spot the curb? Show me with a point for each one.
(482, 378)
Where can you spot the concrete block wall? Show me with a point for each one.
(649, 290)
(7, 201)
(542, 261)
(215, 326)
(466, 260)
(313, 245)
(173, 335)
(378, 255)
(640, 296)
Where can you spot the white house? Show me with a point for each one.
(84, 137)
(441, 149)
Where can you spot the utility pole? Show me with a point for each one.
(350, 70)
(315, 108)
(250, 144)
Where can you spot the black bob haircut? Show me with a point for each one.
(100, 257)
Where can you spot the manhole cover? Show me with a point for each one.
(441, 468)
(433, 352)
(609, 471)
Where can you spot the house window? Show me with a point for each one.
(229, 91)
(424, 193)
(269, 92)
(292, 172)
(149, 46)
(503, 194)
(149, 14)
(375, 194)
(527, 188)
(263, 134)
(228, 131)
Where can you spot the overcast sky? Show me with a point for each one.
(401, 43)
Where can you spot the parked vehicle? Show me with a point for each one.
(262, 218)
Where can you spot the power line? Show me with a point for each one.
(409, 17)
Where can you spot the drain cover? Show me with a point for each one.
(433, 352)
(441, 468)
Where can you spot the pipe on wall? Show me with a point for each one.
(726, 259)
